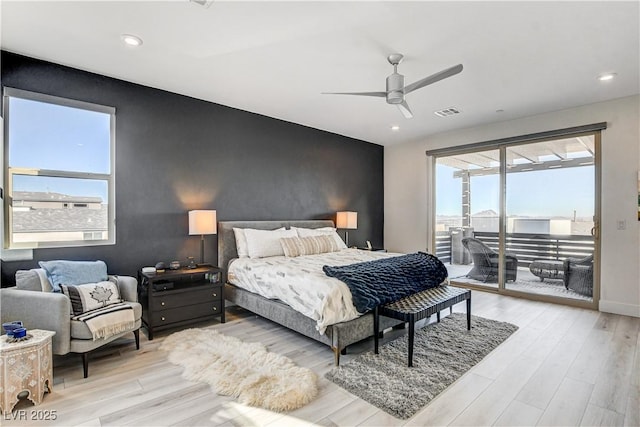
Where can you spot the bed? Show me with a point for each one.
(337, 336)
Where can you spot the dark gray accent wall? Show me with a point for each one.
(175, 153)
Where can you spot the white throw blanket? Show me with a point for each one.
(108, 321)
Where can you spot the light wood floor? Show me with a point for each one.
(564, 366)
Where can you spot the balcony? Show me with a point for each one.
(527, 247)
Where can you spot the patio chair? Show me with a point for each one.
(578, 275)
(485, 262)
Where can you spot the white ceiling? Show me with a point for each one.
(275, 58)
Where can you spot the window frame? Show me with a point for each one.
(10, 172)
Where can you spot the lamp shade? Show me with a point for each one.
(202, 222)
(347, 220)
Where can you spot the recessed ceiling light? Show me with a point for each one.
(131, 40)
(395, 127)
(606, 77)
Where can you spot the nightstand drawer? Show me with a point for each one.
(180, 299)
(180, 314)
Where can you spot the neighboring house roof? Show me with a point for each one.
(485, 213)
(42, 196)
(39, 220)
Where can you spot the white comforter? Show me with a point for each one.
(301, 283)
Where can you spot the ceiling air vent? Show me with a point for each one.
(447, 112)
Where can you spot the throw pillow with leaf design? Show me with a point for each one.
(91, 296)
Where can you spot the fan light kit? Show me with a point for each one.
(131, 40)
(396, 90)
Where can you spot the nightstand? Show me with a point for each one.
(372, 249)
(177, 298)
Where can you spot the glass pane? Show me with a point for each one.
(55, 137)
(467, 216)
(51, 209)
(550, 210)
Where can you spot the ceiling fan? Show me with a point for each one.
(396, 90)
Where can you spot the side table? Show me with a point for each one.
(26, 366)
(372, 249)
(547, 269)
(180, 297)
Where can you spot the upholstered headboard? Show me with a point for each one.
(227, 240)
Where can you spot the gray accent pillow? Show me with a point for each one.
(28, 280)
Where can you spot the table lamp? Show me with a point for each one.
(347, 221)
(202, 222)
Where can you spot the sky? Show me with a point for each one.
(546, 193)
(39, 132)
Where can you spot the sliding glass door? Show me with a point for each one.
(467, 206)
(550, 211)
(521, 218)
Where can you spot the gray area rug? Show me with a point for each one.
(442, 353)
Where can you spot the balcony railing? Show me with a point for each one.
(525, 246)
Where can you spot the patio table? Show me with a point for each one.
(547, 269)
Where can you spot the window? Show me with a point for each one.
(59, 165)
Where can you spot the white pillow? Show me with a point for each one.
(90, 296)
(241, 241)
(265, 243)
(330, 231)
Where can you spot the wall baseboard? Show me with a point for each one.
(619, 308)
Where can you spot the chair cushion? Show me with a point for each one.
(80, 331)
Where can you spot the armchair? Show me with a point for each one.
(485, 261)
(578, 275)
(38, 308)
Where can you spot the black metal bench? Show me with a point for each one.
(419, 306)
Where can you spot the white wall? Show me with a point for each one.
(405, 188)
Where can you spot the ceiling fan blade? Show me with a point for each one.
(405, 110)
(433, 78)
(380, 94)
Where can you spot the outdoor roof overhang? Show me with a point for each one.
(559, 153)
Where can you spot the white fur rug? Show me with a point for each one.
(246, 371)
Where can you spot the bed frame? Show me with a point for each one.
(337, 336)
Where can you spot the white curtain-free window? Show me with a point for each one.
(59, 171)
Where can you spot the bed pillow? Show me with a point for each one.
(90, 296)
(312, 245)
(241, 241)
(74, 272)
(266, 243)
(328, 231)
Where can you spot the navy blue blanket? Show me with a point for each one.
(379, 282)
